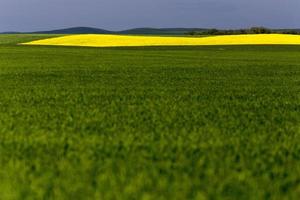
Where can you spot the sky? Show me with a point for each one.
(37, 15)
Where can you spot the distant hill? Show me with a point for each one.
(10, 32)
(76, 30)
(160, 31)
(135, 31)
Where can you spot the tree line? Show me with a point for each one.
(253, 30)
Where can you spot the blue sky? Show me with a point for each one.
(34, 15)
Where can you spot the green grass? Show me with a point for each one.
(149, 123)
(13, 39)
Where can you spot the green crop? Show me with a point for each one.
(217, 122)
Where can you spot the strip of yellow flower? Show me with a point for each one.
(94, 40)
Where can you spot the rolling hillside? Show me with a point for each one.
(160, 31)
(76, 30)
(135, 31)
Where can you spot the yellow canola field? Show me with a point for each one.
(95, 40)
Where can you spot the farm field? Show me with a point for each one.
(201, 122)
(104, 40)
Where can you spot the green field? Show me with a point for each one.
(215, 122)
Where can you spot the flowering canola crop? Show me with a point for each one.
(95, 40)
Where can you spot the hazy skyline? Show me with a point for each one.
(35, 15)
